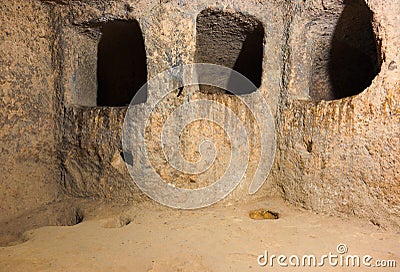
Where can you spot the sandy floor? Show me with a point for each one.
(154, 238)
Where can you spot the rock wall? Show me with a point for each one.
(329, 74)
(93, 164)
(341, 156)
(29, 164)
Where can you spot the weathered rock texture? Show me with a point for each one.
(342, 156)
(29, 166)
(91, 146)
(328, 69)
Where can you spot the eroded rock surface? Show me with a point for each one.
(330, 74)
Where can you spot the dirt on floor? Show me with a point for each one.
(148, 237)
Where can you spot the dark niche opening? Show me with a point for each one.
(121, 64)
(353, 60)
(233, 40)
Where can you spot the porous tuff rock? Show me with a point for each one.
(336, 153)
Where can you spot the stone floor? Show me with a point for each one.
(155, 238)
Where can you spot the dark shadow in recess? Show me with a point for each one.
(249, 61)
(12, 231)
(354, 60)
(230, 39)
(121, 66)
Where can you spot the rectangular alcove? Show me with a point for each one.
(334, 52)
(230, 39)
(104, 64)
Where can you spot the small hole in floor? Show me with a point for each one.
(14, 231)
(119, 222)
